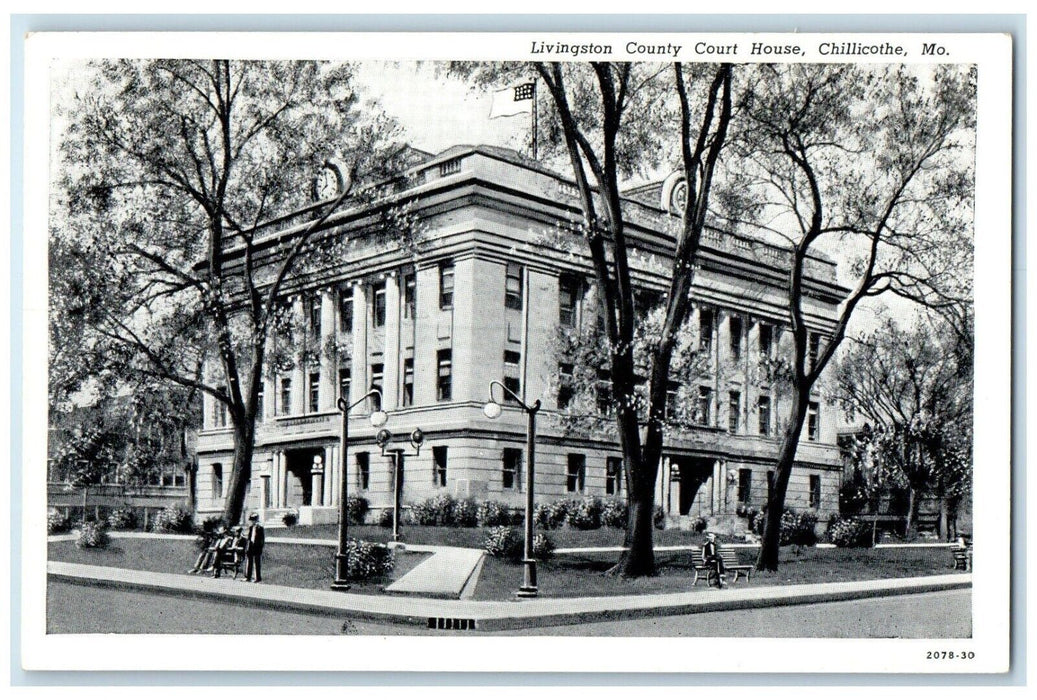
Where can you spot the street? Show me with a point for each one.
(85, 609)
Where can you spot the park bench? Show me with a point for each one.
(230, 560)
(962, 557)
(731, 563)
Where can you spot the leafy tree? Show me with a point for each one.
(608, 119)
(872, 162)
(910, 385)
(170, 168)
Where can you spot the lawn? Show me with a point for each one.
(564, 575)
(303, 566)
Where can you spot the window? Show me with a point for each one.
(345, 309)
(745, 485)
(766, 341)
(439, 465)
(219, 412)
(770, 485)
(613, 475)
(575, 474)
(565, 385)
(378, 305)
(813, 350)
(345, 379)
(410, 296)
(670, 406)
(568, 298)
(763, 406)
(813, 420)
(314, 392)
(408, 382)
(377, 372)
(603, 393)
(363, 470)
(286, 396)
(815, 491)
(513, 287)
(314, 308)
(260, 395)
(702, 405)
(217, 481)
(511, 468)
(734, 407)
(446, 285)
(512, 360)
(735, 327)
(443, 378)
(705, 329)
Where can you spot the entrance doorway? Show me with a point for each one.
(687, 474)
(299, 475)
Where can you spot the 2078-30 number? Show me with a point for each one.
(964, 655)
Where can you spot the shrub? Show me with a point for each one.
(549, 516)
(466, 512)
(368, 559)
(494, 513)
(437, 510)
(849, 532)
(176, 518)
(659, 518)
(699, 524)
(57, 522)
(614, 513)
(356, 509)
(585, 514)
(503, 542)
(543, 547)
(93, 535)
(122, 519)
(290, 518)
(385, 517)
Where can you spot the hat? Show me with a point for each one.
(237, 529)
(711, 534)
(254, 516)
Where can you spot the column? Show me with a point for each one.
(391, 379)
(299, 388)
(331, 469)
(317, 475)
(359, 378)
(328, 362)
(264, 495)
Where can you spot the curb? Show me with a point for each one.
(496, 616)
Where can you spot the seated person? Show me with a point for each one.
(207, 557)
(224, 552)
(711, 557)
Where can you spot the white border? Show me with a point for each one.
(992, 54)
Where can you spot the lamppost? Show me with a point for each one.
(378, 419)
(492, 410)
(384, 437)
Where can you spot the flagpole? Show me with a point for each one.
(534, 118)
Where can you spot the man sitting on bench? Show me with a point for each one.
(230, 552)
(207, 557)
(711, 557)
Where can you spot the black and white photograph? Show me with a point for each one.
(514, 337)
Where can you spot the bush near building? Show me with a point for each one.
(849, 532)
(368, 560)
(93, 535)
(177, 519)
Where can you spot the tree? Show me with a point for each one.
(911, 387)
(170, 170)
(603, 119)
(878, 159)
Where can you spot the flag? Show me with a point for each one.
(517, 99)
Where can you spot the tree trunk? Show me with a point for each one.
(912, 512)
(241, 474)
(639, 558)
(770, 547)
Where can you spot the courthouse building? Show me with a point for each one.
(482, 292)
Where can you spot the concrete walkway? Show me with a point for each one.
(445, 574)
(489, 615)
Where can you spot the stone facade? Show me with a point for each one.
(477, 298)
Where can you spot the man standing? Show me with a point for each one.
(711, 557)
(254, 550)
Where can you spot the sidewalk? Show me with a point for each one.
(488, 615)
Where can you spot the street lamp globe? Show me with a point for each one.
(379, 418)
(492, 410)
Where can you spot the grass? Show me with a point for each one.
(302, 566)
(565, 575)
